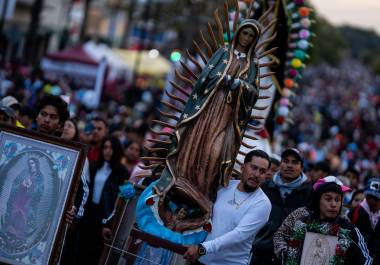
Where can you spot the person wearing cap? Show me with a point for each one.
(366, 218)
(287, 191)
(322, 219)
(7, 115)
(12, 102)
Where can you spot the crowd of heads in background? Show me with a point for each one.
(336, 123)
(335, 120)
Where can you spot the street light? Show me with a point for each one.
(175, 56)
(153, 53)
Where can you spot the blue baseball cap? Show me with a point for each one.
(373, 187)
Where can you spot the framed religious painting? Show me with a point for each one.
(318, 249)
(39, 175)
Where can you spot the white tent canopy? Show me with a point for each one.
(116, 65)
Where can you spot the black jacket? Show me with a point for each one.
(357, 253)
(263, 245)
(371, 236)
(110, 190)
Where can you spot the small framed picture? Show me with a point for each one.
(39, 176)
(318, 249)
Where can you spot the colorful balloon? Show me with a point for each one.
(305, 22)
(304, 34)
(283, 111)
(289, 83)
(303, 44)
(293, 73)
(296, 63)
(284, 102)
(300, 54)
(304, 11)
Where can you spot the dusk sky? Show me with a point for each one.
(361, 13)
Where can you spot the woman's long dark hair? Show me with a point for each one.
(76, 135)
(117, 153)
(354, 195)
(129, 144)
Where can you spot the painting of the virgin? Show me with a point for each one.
(35, 182)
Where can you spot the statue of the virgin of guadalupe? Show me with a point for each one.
(203, 147)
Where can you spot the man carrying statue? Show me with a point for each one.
(240, 211)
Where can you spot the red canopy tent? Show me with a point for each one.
(73, 62)
(75, 54)
(77, 64)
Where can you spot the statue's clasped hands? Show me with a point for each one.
(231, 81)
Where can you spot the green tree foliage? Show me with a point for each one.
(364, 45)
(329, 45)
(332, 44)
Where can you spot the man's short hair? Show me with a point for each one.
(353, 171)
(323, 166)
(257, 153)
(100, 119)
(58, 103)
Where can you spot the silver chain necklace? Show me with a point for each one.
(238, 204)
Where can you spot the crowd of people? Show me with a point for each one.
(290, 219)
(336, 134)
(336, 114)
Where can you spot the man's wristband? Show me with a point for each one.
(201, 250)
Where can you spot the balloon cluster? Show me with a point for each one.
(299, 44)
